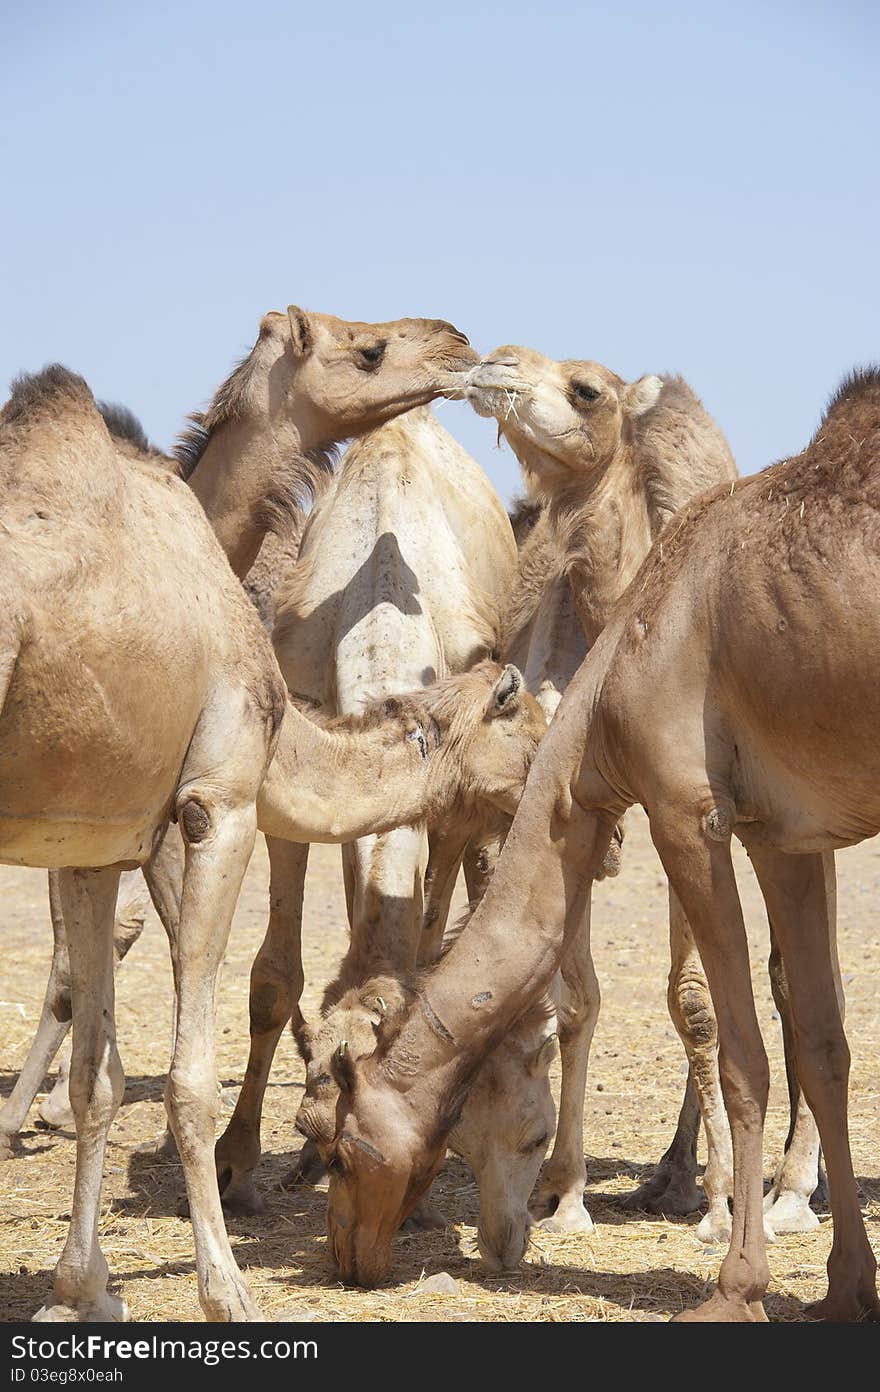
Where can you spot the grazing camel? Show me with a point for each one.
(767, 731)
(263, 447)
(610, 462)
(402, 574)
(508, 1115)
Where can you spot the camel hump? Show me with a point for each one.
(124, 425)
(36, 394)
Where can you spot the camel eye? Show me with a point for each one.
(372, 356)
(582, 391)
(535, 1144)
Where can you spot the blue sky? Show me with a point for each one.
(687, 187)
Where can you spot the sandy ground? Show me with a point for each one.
(628, 1268)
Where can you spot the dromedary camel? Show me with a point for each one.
(767, 731)
(125, 756)
(401, 579)
(262, 448)
(610, 463)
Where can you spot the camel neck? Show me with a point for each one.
(511, 948)
(337, 785)
(605, 530)
(236, 475)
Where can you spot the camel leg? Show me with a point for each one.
(96, 1086)
(219, 842)
(560, 1191)
(51, 1030)
(163, 874)
(276, 987)
(480, 859)
(797, 1176)
(701, 873)
(799, 894)
(692, 1014)
(445, 851)
(55, 1110)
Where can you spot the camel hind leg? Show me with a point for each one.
(700, 870)
(799, 901)
(798, 1174)
(51, 1031)
(96, 1085)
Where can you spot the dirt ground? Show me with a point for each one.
(628, 1268)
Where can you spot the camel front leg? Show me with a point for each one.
(799, 893)
(700, 871)
(97, 1082)
(560, 1191)
(446, 847)
(219, 842)
(276, 987)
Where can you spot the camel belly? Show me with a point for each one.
(54, 843)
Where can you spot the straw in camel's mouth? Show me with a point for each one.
(494, 398)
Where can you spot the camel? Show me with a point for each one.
(402, 574)
(261, 450)
(222, 751)
(767, 732)
(607, 464)
(508, 1115)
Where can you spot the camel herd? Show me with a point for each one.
(251, 636)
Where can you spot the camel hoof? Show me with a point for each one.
(162, 1147)
(309, 1168)
(790, 1213)
(234, 1306)
(106, 1309)
(57, 1112)
(716, 1226)
(239, 1195)
(845, 1309)
(424, 1218)
(7, 1151)
(568, 1218)
(673, 1196)
(719, 1310)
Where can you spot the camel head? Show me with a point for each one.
(338, 379)
(490, 726)
(503, 1133)
(564, 420)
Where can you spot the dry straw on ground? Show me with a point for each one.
(628, 1268)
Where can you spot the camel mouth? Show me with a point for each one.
(493, 389)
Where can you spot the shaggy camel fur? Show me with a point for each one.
(263, 447)
(611, 462)
(402, 575)
(767, 732)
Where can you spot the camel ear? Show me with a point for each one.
(300, 331)
(544, 1055)
(506, 691)
(304, 1039)
(342, 1068)
(640, 396)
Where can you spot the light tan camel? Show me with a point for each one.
(610, 463)
(767, 731)
(402, 575)
(263, 447)
(98, 750)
